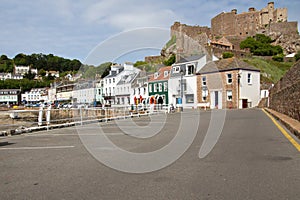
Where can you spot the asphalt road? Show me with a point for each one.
(251, 160)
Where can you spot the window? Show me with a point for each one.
(203, 80)
(190, 69)
(109, 80)
(160, 87)
(189, 98)
(176, 69)
(165, 86)
(114, 80)
(150, 88)
(249, 78)
(204, 94)
(166, 73)
(154, 87)
(155, 75)
(229, 78)
(229, 95)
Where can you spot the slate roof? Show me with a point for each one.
(114, 73)
(226, 65)
(189, 59)
(127, 78)
(161, 76)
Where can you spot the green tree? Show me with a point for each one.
(170, 61)
(227, 55)
(261, 45)
(42, 72)
(29, 75)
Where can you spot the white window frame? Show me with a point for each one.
(227, 78)
(249, 79)
(166, 73)
(187, 98)
(204, 94)
(150, 87)
(229, 95)
(154, 87)
(160, 87)
(176, 69)
(204, 82)
(165, 86)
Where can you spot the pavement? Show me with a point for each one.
(290, 123)
(252, 159)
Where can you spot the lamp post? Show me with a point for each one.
(181, 89)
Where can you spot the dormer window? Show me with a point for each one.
(176, 69)
(155, 75)
(190, 69)
(166, 73)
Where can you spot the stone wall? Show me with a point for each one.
(191, 31)
(285, 95)
(248, 23)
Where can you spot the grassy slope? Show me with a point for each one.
(271, 71)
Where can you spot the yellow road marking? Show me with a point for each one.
(296, 144)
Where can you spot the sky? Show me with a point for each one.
(94, 31)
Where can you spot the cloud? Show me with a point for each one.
(123, 15)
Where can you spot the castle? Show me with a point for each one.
(246, 23)
(228, 29)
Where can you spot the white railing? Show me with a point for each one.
(20, 121)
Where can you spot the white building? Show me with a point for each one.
(185, 69)
(24, 70)
(84, 93)
(52, 73)
(10, 96)
(140, 88)
(110, 82)
(228, 83)
(5, 76)
(123, 89)
(35, 95)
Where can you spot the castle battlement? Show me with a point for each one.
(247, 23)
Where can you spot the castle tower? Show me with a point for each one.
(271, 11)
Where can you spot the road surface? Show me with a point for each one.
(252, 159)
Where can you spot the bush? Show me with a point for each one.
(297, 56)
(278, 58)
(227, 55)
(170, 61)
(260, 45)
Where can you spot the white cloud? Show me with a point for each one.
(123, 15)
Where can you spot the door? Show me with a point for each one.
(216, 100)
(245, 103)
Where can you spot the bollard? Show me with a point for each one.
(40, 118)
(48, 115)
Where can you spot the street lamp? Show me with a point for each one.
(181, 89)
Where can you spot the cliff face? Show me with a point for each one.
(286, 35)
(188, 40)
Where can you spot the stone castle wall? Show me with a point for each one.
(284, 96)
(247, 23)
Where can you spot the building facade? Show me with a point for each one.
(35, 95)
(110, 82)
(10, 96)
(183, 81)
(158, 86)
(228, 83)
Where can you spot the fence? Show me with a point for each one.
(20, 121)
